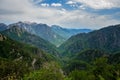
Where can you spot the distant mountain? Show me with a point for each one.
(107, 39)
(42, 30)
(67, 33)
(20, 34)
(3, 26)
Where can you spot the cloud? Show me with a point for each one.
(45, 5)
(83, 7)
(56, 4)
(100, 4)
(13, 11)
(80, 19)
(70, 2)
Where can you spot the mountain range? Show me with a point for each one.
(67, 33)
(54, 35)
(38, 51)
(106, 39)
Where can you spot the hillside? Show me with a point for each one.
(93, 65)
(42, 30)
(107, 39)
(17, 59)
(20, 34)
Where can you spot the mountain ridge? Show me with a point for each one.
(22, 35)
(106, 39)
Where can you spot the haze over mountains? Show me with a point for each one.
(55, 34)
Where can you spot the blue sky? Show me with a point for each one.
(93, 14)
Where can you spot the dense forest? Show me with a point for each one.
(86, 56)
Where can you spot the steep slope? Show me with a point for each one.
(94, 65)
(84, 59)
(41, 30)
(90, 55)
(17, 59)
(107, 39)
(20, 34)
(67, 33)
(3, 26)
(13, 50)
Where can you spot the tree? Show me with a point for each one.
(50, 71)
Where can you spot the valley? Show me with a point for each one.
(40, 52)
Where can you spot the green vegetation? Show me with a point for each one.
(92, 56)
(17, 59)
(106, 39)
(23, 36)
(97, 68)
(49, 71)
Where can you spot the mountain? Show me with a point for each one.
(20, 34)
(90, 55)
(67, 33)
(114, 58)
(42, 30)
(107, 39)
(84, 58)
(17, 59)
(93, 64)
(14, 50)
(3, 26)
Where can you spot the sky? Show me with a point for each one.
(92, 14)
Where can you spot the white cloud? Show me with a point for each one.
(13, 11)
(100, 4)
(45, 5)
(70, 2)
(82, 7)
(56, 4)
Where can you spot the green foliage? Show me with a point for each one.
(107, 39)
(93, 65)
(17, 59)
(12, 69)
(23, 36)
(20, 61)
(81, 75)
(103, 69)
(50, 71)
(76, 65)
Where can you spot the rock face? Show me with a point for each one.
(2, 37)
(107, 39)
